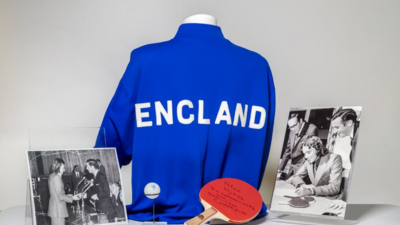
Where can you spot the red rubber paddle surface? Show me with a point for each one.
(235, 199)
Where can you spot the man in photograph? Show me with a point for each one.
(299, 132)
(117, 200)
(76, 177)
(343, 142)
(101, 190)
(324, 169)
(101, 167)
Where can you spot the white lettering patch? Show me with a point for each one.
(164, 114)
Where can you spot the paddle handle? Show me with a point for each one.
(300, 196)
(204, 217)
(283, 203)
(287, 196)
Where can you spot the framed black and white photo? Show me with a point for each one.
(317, 161)
(76, 186)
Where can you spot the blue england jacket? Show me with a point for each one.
(188, 111)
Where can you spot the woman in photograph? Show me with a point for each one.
(323, 168)
(58, 199)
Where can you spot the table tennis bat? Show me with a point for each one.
(297, 202)
(228, 199)
(307, 198)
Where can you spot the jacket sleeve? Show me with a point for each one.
(298, 179)
(286, 156)
(313, 132)
(335, 179)
(119, 120)
(353, 147)
(104, 188)
(58, 186)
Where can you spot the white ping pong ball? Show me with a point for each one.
(152, 190)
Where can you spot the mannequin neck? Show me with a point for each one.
(201, 18)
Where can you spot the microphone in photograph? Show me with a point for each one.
(84, 178)
(87, 186)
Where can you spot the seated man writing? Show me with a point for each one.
(324, 170)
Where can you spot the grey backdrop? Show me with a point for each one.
(61, 61)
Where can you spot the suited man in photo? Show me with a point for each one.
(57, 203)
(101, 190)
(117, 200)
(299, 132)
(324, 169)
(343, 142)
(76, 177)
(101, 167)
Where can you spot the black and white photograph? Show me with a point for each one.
(76, 186)
(317, 161)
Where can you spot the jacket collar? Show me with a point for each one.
(199, 30)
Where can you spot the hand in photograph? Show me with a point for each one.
(303, 191)
(94, 197)
(278, 175)
(337, 204)
(121, 197)
(289, 180)
(76, 197)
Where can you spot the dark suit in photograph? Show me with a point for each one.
(101, 187)
(75, 178)
(293, 148)
(327, 178)
(346, 180)
(102, 169)
(118, 205)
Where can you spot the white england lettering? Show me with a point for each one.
(140, 115)
(260, 124)
(167, 114)
(201, 113)
(179, 112)
(224, 114)
(240, 114)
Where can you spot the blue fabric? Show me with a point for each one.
(188, 111)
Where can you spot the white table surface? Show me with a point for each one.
(365, 214)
